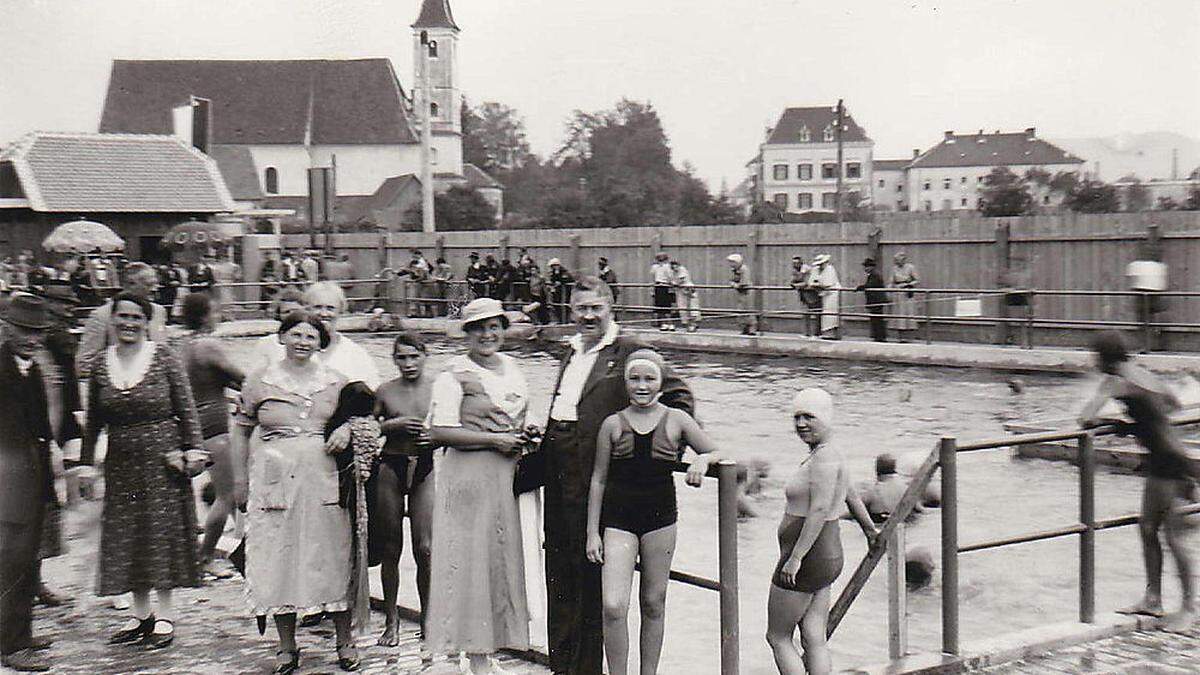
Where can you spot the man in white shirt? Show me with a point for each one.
(590, 387)
(140, 279)
(664, 291)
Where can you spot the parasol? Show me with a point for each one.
(83, 236)
(195, 234)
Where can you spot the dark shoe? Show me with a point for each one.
(312, 620)
(25, 661)
(158, 640)
(40, 644)
(348, 657)
(49, 598)
(127, 635)
(292, 662)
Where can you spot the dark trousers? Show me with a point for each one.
(576, 628)
(664, 304)
(19, 544)
(878, 323)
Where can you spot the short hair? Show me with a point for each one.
(593, 284)
(1111, 346)
(287, 295)
(326, 287)
(143, 303)
(135, 268)
(302, 316)
(196, 308)
(885, 464)
(410, 339)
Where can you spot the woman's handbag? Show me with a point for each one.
(530, 473)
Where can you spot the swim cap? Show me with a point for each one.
(645, 356)
(816, 401)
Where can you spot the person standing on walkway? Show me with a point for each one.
(140, 280)
(201, 278)
(876, 299)
(810, 543)
(26, 479)
(477, 277)
(478, 601)
(686, 296)
(608, 276)
(310, 267)
(904, 275)
(810, 299)
(561, 281)
(1170, 471)
(589, 388)
(739, 281)
(824, 280)
(664, 296)
(139, 392)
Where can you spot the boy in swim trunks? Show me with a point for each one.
(632, 509)
(1169, 470)
(405, 470)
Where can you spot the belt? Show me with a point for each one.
(562, 425)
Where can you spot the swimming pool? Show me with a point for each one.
(743, 403)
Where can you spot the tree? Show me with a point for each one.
(1193, 200)
(1093, 196)
(1166, 203)
(1004, 193)
(494, 137)
(459, 208)
(1137, 197)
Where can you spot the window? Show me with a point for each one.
(805, 136)
(271, 181)
(1046, 199)
(828, 170)
(781, 171)
(900, 187)
(433, 54)
(926, 186)
(804, 200)
(433, 109)
(828, 200)
(928, 205)
(828, 133)
(978, 179)
(853, 170)
(963, 181)
(781, 200)
(433, 156)
(964, 201)
(880, 182)
(945, 183)
(946, 205)
(804, 171)
(899, 204)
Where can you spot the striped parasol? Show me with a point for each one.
(83, 236)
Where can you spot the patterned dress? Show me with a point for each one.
(147, 529)
(298, 544)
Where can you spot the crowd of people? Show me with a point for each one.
(511, 523)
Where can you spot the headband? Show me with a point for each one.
(645, 356)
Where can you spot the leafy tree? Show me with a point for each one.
(1064, 181)
(1137, 197)
(1093, 196)
(494, 134)
(1193, 200)
(766, 212)
(459, 208)
(1166, 203)
(1004, 193)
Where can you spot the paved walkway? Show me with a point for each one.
(1151, 651)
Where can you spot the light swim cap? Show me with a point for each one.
(815, 401)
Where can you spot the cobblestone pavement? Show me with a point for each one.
(1147, 652)
(213, 632)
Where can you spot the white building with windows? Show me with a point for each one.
(949, 176)
(888, 189)
(797, 163)
(273, 120)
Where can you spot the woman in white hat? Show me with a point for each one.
(477, 588)
(825, 280)
(739, 280)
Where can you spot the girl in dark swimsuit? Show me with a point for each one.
(1169, 469)
(631, 506)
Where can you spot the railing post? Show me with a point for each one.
(928, 318)
(727, 553)
(948, 458)
(1147, 331)
(897, 583)
(837, 332)
(1029, 320)
(1087, 538)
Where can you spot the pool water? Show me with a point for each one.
(742, 401)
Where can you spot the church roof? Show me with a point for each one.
(788, 129)
(322, 102)
(435, 14)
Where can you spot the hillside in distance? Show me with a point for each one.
(1147, 155)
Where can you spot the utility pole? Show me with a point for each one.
(427, 220)
(837, 197)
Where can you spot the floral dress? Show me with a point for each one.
(148, 525)
(298, 545)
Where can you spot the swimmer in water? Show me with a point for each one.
(1169, 469)
(810, 545)
(632, 509)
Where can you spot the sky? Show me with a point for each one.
(718, 71)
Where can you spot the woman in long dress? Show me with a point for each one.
(825, 281)
(298, 539)
(139, 392)
(904, 275)
(477, 595)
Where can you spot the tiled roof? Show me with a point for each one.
(237, 167)
(387, 193)
(116, 173)
(435, 14)
(993, 150)
(478, 178)
(889, 164)
(323, 102)
(787, 129)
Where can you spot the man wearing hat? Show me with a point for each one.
(876, 300)
(26, 481)
(739, 280)
(664, 291)
(561, 282)
(477, 277)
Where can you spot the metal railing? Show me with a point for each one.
(945, 458)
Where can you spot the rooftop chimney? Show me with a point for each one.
(950, 135)
(916, 153)
(192, 122)
(1030, 132)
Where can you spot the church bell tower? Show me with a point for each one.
(435, 39)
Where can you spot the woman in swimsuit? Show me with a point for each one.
(1169, 469)
(810, 545)
(210, 372)
(632, 501)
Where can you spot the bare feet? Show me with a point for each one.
(1179, 622)
(1144, 607)
(390, 637)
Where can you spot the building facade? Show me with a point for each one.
(797, 163)
(888, 188)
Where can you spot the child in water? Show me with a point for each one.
(632, 509)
